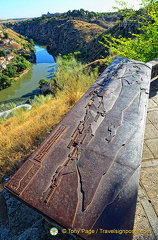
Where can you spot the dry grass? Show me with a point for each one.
(20, 135)
(12, 34)
(12, 20)
(88, 29)
(16, 37)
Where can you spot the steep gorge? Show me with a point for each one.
(64, 36)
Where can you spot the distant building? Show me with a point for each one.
(2, 63)
(3, 66)
(10, 58)
(50, 14)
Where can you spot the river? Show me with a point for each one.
(43, 68)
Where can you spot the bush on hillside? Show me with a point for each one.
(5, 81)
(72, 78)
(143, 46)
(3, 53)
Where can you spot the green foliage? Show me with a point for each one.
(5, 81)
(7, 106)
(142, 46)
(5, 34)
(25, 46)
(21, 66)
(3, 53)
(27, 55)
(20, 63)
(69, 56)
(31, 41)
(42, 82)
(72, 77)
(10, 71)
(40, 100)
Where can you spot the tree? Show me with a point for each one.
(5, 81)
(21, 67)
(10, 71)
(91, 15)
(142, 46)
(3, 53)
(68, 13)
(43, 82)
(31, 41)
(6, 35)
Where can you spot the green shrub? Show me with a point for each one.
(5, 81)
(10, 71)
(3, 53)
(42, 82)
(5, 34)
(40, 100)
(142, 46)
(72, 78)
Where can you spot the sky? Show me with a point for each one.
(35, 8)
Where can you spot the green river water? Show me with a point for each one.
(43, 68)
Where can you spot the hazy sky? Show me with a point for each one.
(35, 8)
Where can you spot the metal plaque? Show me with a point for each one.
(85, 175)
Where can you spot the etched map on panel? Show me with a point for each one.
(91, 160)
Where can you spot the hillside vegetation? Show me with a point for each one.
(142, 45)
(15, 51)
(19, 41)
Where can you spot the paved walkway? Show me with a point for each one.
(147, 205)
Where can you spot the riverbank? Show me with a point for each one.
(16, 53)
(22, 73)
(28, 81)
(31, 61)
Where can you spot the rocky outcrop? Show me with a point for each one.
(73, 35)
(61, 36)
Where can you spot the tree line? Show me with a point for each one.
(12, 71)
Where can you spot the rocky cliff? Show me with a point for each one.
(72, 35)
(65, 36)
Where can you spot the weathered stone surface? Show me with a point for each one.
(153, 146)
(85, 174)
(153, 117)
(154, 63)
(20, 219)
(19, 222)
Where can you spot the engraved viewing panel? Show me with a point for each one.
(85, 175)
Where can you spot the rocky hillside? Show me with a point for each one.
(66, 35)
(73, 36)
(75, 31)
